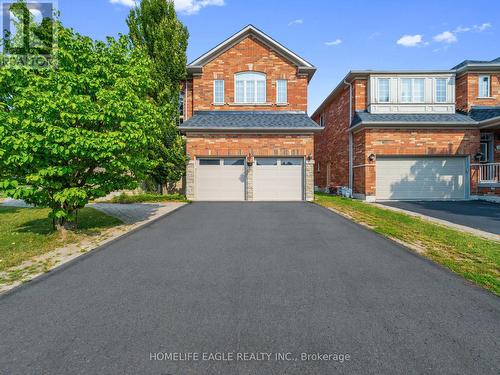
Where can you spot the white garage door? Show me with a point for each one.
(278, 179)
(221, 179)
(421, 178)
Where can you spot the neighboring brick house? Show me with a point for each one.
(248, 136)
(412, 135)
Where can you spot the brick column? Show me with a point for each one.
(190, 170)
(309, 180)
(249, 184)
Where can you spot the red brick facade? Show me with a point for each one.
(467, 91)
(411, 142)
(248, 55)
(244, 144)
(332, 144)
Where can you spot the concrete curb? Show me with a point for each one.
(475, 232)
(72, 261)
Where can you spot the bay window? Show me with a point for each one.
(441, 90)
(412, 90)
(383, 90)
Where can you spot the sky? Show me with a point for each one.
(335, 36)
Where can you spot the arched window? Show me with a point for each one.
(250, 87)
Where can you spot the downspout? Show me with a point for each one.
(350, 133)
(185, 100)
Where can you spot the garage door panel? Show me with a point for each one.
(222, 181)
(278, 179)
(421, 178)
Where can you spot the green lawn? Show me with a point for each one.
(27, 232)
(474, 258)
(147, 197)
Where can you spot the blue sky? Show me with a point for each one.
(336, 36)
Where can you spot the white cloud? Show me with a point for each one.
(451, 36)
(296, 22)
(127, 3)
(194, 6)
(411, 40)
(461, 29)
(182, 6)
(335, 42)
(482, 27)
(445, 37)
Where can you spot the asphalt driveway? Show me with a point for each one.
(250, 278)
(474, 214)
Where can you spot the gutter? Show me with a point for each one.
(405, 125)
(250, 130)
(490, 123)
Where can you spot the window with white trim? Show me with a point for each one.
(383, 90)
(412, 90)
(218, 91)
(441, 90)
(250, 87)
(281, 91)
(484, 86)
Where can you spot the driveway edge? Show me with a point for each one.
(412, 249)
(74, 260)
(474, 231)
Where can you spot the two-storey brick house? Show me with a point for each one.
(248, 136)
(412, 134)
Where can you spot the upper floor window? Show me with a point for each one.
(412, 90)
(219, 91)
(484, 86)
(383, 90)
(321, 121)
(281, 91)
(441, 90)
(250, 87)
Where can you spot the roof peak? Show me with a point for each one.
(303, 65)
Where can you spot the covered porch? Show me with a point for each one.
(486, 167)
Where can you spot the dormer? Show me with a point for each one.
(411, 92)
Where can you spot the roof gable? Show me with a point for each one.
(303, 65)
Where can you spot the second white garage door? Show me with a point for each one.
(278, 179)
(421, 178)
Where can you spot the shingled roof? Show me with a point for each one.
(403, 118)
(250, 120)
(483, 113)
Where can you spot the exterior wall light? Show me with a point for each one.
(309, 157)
(250, 160)
(371, 157)
(478, 156)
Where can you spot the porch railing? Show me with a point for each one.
(489, 173)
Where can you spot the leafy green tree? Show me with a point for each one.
(154, 26)
(79, 131)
